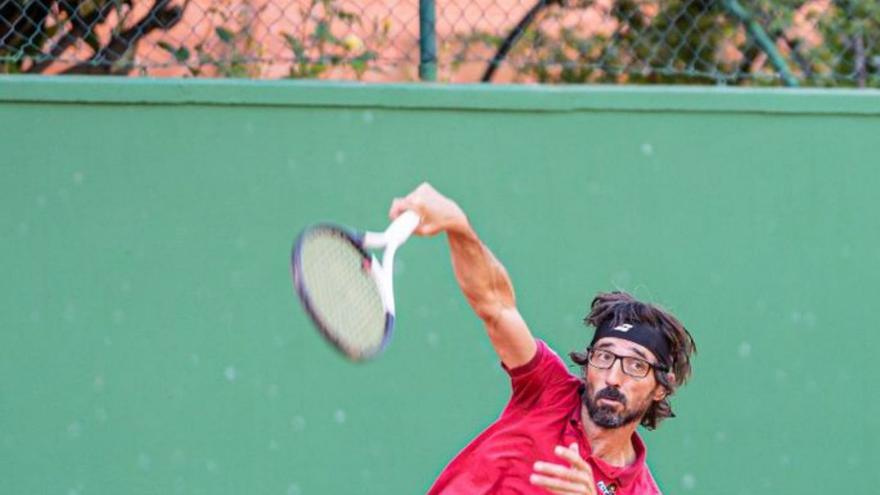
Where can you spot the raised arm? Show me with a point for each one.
(482, 278)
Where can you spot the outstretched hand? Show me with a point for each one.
(575, 478)
(438, 213)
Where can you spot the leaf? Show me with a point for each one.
(85, 8)
(167, 47)
(92, 40)
(224, 34)
(51, 30)
(359, 63)
(322, 33)
(348, 17)
(182, 54)
(206, 59)
(296, 45)
(367, 56)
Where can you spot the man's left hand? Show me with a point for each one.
(576, 478)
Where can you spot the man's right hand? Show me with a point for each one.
(438, 213)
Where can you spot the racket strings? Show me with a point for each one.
(342, 294)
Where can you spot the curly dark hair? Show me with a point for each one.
(618, 307)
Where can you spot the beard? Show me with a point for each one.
(607, 416)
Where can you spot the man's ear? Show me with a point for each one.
(661, 392)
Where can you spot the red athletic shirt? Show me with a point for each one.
(543, 412)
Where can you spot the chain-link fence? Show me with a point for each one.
(813, 42)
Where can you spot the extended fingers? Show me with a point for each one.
(575, 478)
(571, 455)
(559, 486)
(563, 472)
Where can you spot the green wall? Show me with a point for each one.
(150, 342)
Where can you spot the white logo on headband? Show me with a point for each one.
(623, 328)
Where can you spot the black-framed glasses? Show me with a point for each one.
(633, 366)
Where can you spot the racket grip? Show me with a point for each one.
(402, 227)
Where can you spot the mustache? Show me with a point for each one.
(611, 394)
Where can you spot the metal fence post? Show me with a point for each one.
(756, 31)
(427, 40)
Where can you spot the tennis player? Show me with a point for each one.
(559, 433)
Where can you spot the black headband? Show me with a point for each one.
(640, 333)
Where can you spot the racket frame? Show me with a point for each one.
(381, 272)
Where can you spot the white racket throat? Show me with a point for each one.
(396, 234)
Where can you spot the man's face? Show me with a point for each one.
(613, 398)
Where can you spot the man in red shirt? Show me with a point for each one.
(560, 433)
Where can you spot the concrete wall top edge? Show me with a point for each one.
(469, 97)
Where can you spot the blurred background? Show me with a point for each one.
(726, 42)
(158, 158)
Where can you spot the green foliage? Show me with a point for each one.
(696, 42)
(233, 50)
(850, 51)
(181, 54)
(35, 33)
(316, 51)
(731, 42)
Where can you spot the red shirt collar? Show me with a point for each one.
(625, 474)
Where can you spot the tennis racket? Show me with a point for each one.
(344, 289)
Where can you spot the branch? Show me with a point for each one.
(160, 16)
(860, 60)
(804, 64)
(514, 35)
(757, 33)
(21, 24)
(81, 27)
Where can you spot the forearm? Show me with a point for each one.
(482, 278)
(489, 291)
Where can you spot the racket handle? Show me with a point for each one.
(403, 226)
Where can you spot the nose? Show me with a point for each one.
(614, 374)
